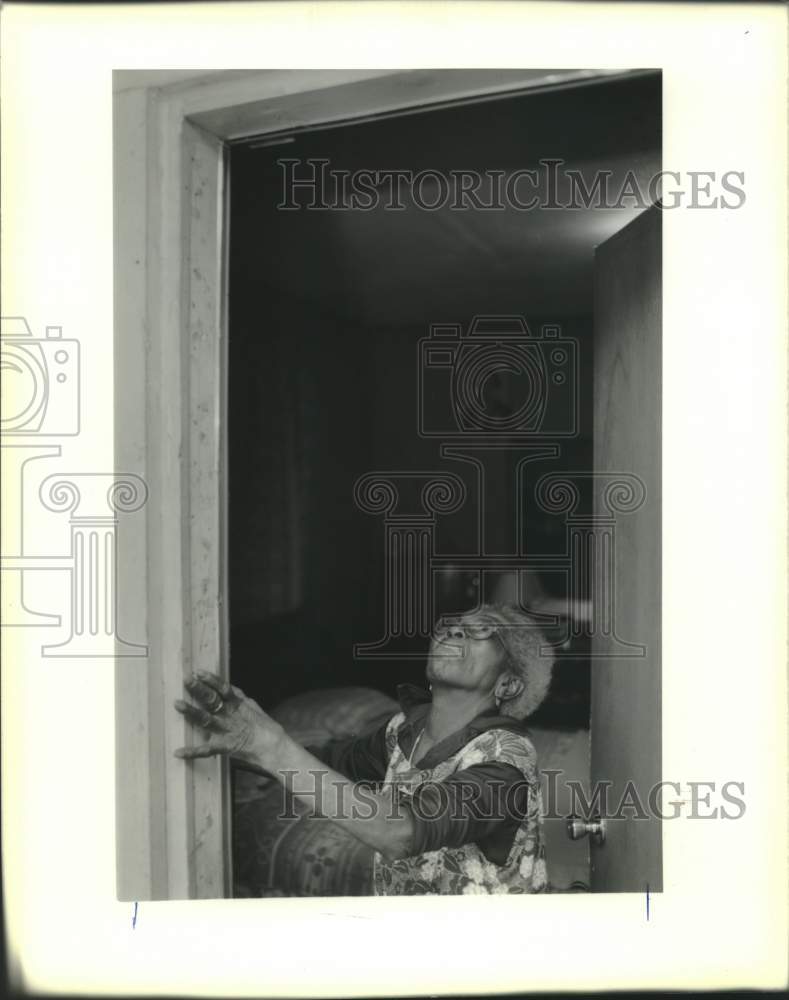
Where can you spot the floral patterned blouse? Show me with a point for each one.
(466, 869)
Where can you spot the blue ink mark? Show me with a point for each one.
(134, 918)
(647, 901)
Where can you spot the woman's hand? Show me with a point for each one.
(235, 725)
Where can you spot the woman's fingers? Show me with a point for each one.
(199, 717)
(203, 750)
(204, 693)
(218, 684)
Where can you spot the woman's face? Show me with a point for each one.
(458, 660)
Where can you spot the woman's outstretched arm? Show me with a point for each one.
(238, 727)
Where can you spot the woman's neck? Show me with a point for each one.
(453, 708)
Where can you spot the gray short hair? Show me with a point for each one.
(523, 640)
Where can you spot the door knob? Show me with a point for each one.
(594, 829)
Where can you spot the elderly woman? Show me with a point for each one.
(447, 792)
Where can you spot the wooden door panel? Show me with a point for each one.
(626, 717)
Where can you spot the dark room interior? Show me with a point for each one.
(326, 311)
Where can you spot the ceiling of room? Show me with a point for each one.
(384, 268)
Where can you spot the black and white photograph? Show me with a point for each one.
(380, 519)
(432, 414)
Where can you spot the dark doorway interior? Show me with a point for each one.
(326, 312)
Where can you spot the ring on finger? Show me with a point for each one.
(220, 704)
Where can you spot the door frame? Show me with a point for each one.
(170, 173)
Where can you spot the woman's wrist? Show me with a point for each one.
(267, 748)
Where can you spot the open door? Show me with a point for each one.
(625, 714)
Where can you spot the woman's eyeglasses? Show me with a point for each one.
(465, 630)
